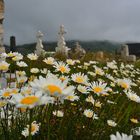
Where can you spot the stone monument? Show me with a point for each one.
(99, 56)
(39, 46)
(79, 50)
(125, 54)
(12, 44)
(124, 51)
(2, 49)
(61, 45)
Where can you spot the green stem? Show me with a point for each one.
(48, 122)
(30, 126)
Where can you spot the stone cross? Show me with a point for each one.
(61, 44)
(62, 30)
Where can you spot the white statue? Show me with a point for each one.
(61, 45)
(39, 46)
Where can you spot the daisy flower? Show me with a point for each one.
(112, 65)
(111, 123)
(49, 60)
(119, 136)
(136, 131)
(98, 104)
(70, 62)
(58, 113)
(133, 120)
(21, 79)
(95, 117)
(82, 89)
(21, 64)
(80, 78)
(11, 54)
(3, 55)
(62, 67)
(44, 71)
(20, 73)
(124, 83)
(98, 71)
(88, 113)
(133, 96)
(17, 57)
(34, 70)
(52, 86)
(98, 88)
(30, 100)
(26, 90)
(4, 66)
(32, 56)
(72, 97)
(63, 78)
(5, 93)
(3, 103)
(34, 129)
(90, 99)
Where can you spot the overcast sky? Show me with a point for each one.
(117, 20)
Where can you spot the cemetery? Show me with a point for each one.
(68, 93)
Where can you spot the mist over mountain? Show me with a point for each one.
(92, 46)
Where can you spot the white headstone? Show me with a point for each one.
(39, 46)
(61, 44)
(124, 51)
(125, 54)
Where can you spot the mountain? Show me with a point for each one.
(91, 46)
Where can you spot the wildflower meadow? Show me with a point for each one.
(50, 99)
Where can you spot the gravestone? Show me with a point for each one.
(39, 46)
(99, 55)
(125, 54)
(12, 44)
(124, 51)
(79, 50)
(61, 44)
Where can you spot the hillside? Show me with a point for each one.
(87, 45)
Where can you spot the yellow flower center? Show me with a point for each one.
(3, 67)
(6, 94)
(49, 62)
(53, 89)
(33, 128)
(97, 89)
(29, 100)
(97, 72)
(21, 80)
(79, 79)
(89, 114)
(62, 79)
(62, 69)
(70, 97)
(124, 85)
(14, 91)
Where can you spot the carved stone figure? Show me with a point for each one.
(61, 44)
(39, 46)
(79, 50)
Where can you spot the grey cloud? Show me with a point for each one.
(116, 20)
